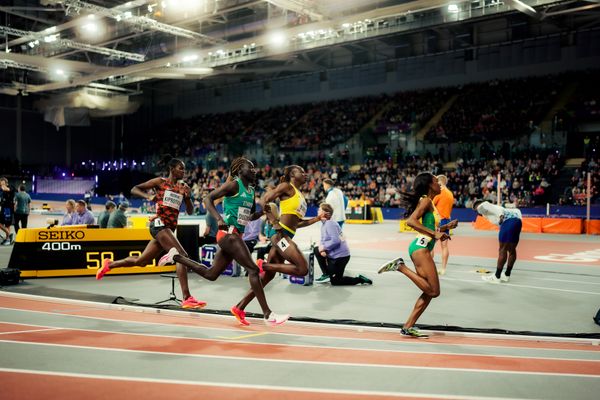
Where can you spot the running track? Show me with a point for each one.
(487, 247)
(65, 349)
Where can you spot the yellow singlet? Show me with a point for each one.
(295, 205)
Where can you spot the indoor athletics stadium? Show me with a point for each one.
(300, 199)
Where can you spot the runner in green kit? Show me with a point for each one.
(238, 209)
(419, 206)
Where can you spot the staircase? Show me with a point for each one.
(559, 104)
(371, 123)
(436, 118)
(564, 178)
(273, 140)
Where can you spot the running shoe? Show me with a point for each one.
(220, 235)
(504, 278)
(261, 271)
(490, 278)
(365, 280)
(323, 279)
(191, 302)
(391, 265)
(103, 269)
(413, 332)
(441, 271)
(240, 315)
(168, 258)
(276, 319)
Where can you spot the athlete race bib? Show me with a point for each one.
(283, 244)
(302, 208)
(423, 241)
(243, 216)
(172, 199)
(157, 223)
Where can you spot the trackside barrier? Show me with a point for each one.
(574, 226)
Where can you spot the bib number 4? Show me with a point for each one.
(283, 244)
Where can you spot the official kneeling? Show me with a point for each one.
(333, 253)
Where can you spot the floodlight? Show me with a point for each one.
(277, 39)
(189, 57)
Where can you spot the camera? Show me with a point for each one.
(51, 222)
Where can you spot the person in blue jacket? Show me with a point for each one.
(333, 253)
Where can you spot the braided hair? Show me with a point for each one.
(235, 167)
(409, 200)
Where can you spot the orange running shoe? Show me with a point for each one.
(240, 315)
(191, 302)
(103, 269)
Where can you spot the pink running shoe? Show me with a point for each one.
(261, 271)
(240, 315)
(191, 302)
(103, 269)
(276, 319)
(168, 258)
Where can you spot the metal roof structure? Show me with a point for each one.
(58, 45)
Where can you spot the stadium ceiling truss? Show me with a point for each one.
(52, 45)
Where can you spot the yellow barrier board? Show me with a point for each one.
(404, 227)
(376, 214)
(76, 251)
(359, 221)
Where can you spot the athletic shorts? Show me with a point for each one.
(413, 246)
(270, 232)
(510, 230)
(157, 226)
(6, 216)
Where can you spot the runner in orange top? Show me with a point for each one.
(444, 202)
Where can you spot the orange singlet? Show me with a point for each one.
(444, 202)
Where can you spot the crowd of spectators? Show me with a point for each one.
(585, 105)
(525, 178)
(330, 123)
(481, 111)
(507, 109)
(576, 191)
(407, 112)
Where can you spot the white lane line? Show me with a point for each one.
(324, 346)
(304, 362)
(537, 279)
(30, 331)
(257, 387)
(351, 328)
(480, 282)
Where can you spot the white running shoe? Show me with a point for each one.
(391, 265)
(276, 319)
(168, 258)
(490, 278)
(504, 278)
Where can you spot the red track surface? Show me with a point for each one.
(31, 384)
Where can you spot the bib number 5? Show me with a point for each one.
(422, 241)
